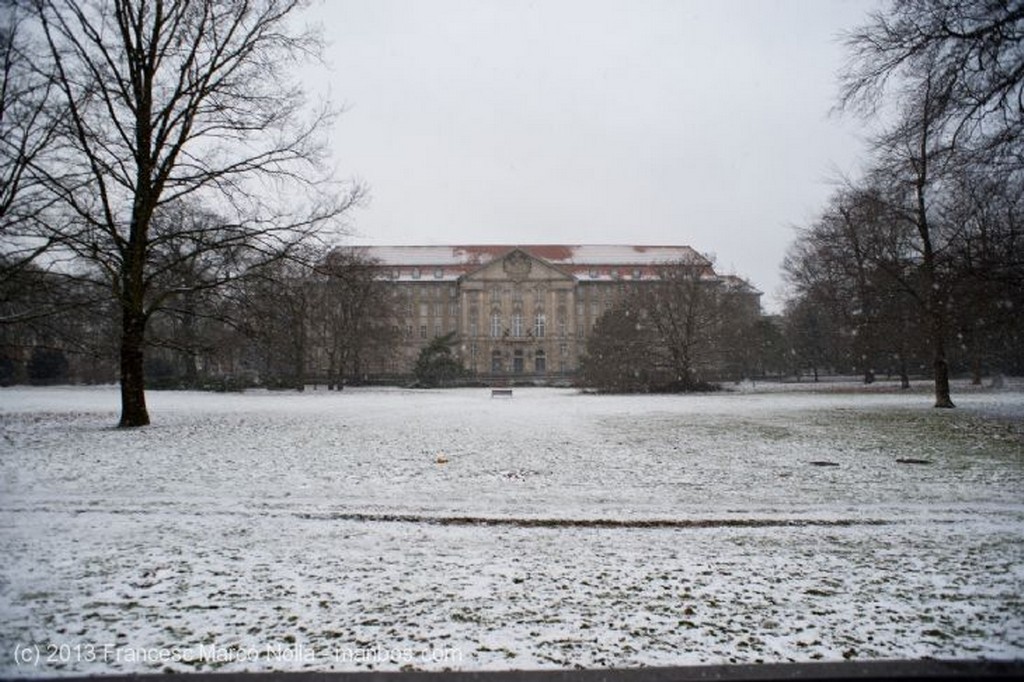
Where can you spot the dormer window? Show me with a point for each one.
(415, 273)
(438, 273)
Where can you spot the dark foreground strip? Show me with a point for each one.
(932, 670)
(481, 520)
(589, 523)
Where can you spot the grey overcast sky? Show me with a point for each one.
(692, 122)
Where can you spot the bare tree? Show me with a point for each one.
(811, 335)
(682, 310)
(170, 101)
(278, 308)
(28, 122)
(956, 72)
(856, 276)
(968, 53)
(672, 333)
(913, 160)
(986, 250)
(353, 314)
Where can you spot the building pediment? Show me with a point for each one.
(517, 265)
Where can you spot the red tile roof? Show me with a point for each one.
(587, 262)
(558, 254)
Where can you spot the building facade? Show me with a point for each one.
(516, 311)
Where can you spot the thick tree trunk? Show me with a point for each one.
(936, 299)
(942, 396)
(133, 321)
(937, 315)
(941, 366)
(133, 382)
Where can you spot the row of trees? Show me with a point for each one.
(924, 254)
(319, 319)
(153, 152)
(862, 301)
(675, 333)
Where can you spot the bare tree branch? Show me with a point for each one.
(187, 153)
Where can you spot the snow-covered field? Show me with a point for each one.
(318, 531)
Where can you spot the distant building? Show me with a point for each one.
(517, 311)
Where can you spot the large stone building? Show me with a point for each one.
(517, 310)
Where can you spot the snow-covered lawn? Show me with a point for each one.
(318, 531)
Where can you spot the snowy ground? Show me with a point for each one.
(317, 531)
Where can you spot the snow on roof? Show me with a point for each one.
(737, 283)
(557, 254)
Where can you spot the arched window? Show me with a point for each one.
(517, 325)
(517, 361)
(539, 325)
(495, 362)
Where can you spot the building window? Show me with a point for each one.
(438, 273)
(517, 361)
(423, 331)
(637, 273)
(437, 329)
(415, 273)
(563, 349)
(561, 328)
(496, 362)
(496, 325)
(424, 310)
(540, 362)
(539, 324)
(517, 325)
(408, 331)
(472, 328)
(593, 273)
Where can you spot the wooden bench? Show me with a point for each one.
(501, 392)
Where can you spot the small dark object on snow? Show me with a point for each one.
(823, 463)
(911, 460)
